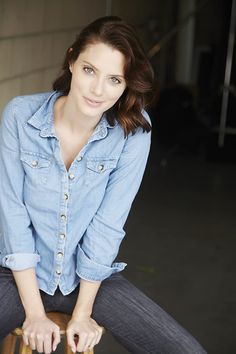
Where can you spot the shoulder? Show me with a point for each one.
(22, 107)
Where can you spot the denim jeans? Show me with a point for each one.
(138, 323)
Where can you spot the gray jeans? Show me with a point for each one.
(138, 323)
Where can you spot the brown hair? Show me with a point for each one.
(138, 72)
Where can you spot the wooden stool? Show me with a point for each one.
(60, 319)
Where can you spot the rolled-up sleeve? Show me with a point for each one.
(101, 241)
(17, 244)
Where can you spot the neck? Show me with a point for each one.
(67, 113)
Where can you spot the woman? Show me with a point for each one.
(72, 161)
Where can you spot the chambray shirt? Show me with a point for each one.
(66, 224)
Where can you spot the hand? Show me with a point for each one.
(88, 331)
(41, 334)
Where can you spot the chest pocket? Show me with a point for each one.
(99, 169)
(36, 166)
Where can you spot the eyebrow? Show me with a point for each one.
(94, 67)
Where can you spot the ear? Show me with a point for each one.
(70, 63)
(71, 66)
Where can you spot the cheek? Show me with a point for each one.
(116, 94)
(79, 82)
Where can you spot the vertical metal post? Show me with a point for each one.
(228, 68)
(185, 42)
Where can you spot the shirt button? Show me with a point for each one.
(63, 217)
(34, 163)
(58, 271)
(79, 158)
(62, 236)
(59, 255)
(101, 167)
(71, 176)
(66, 196)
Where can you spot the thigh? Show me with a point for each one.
(138, 323)
(11, 309)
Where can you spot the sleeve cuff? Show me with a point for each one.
(20, 261)
(92, 271)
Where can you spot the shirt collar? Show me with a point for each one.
(42, 119)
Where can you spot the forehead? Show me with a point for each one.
(104, 58)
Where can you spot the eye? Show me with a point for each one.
(88, 70)
(114, 80)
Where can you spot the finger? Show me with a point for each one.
(82, 341)
(100, 333)
(32, 341)
(47, 343)
(70, 340)
(39, 342)
(96, 340)
(89, 341)
(56, 338)
(25, 338)
(92, 344)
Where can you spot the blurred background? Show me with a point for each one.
(181, 231)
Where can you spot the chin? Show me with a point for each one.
(92, 112)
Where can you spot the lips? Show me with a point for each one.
(93, 103)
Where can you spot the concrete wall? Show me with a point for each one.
(34, 35)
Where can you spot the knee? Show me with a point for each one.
(188, 345)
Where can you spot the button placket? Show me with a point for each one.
(63, 217)
(71, 176)
(58, 271)
(61, 242)
(62, 236)
(59, 255)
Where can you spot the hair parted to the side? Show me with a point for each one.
(138, 72)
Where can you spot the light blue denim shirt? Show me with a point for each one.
(66, 224)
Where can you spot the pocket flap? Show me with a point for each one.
(35, 160)
(101, 165)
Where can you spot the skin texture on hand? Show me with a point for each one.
(82, 325)
(88, 333)
(41, 334)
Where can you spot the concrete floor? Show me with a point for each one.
(180, 246)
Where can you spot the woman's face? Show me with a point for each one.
(97, 79)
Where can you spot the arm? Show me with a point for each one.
(103, 236)
(100, 243)
(81, 323)
(38, 329)
(87, 294)
(17, 245)
(26, 282)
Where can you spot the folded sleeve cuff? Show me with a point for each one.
(89, 270)
(20, 261)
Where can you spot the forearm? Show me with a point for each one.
(86, 297)
(27, 285)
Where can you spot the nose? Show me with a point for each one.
(97, 86)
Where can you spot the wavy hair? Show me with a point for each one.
(138, 73)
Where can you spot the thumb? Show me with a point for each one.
(70, 340)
